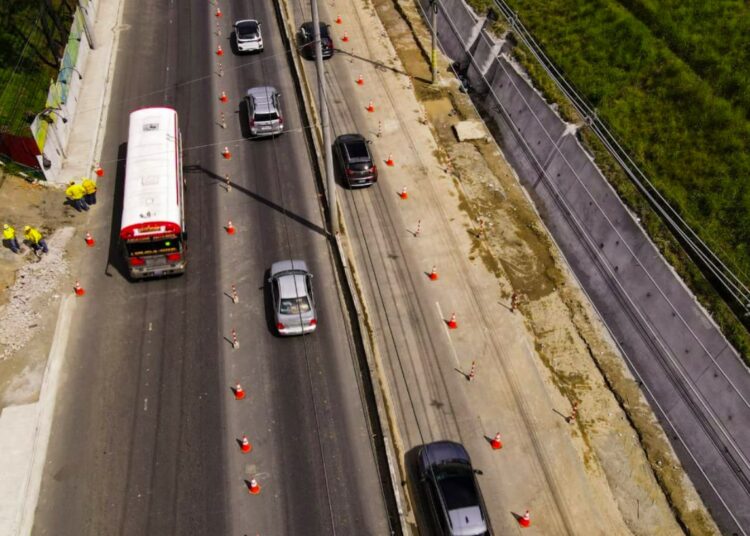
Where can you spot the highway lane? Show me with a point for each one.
(144, 439)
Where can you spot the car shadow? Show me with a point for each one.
(268, 305)
(416, 490)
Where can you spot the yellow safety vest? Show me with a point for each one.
(75, 191)
(9, 233)
(89, 186)
(33, 235)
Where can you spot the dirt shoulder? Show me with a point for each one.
(30, 287)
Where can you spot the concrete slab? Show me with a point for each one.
(470, 130)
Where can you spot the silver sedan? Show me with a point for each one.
(292, 297)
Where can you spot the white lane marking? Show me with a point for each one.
(447, 333)
(145, 404)
(149, 326)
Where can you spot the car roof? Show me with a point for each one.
(308, 26)
(263, 97)
(444, 451)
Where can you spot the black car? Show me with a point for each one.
(452, 491)
(355, 160)
(307, 40)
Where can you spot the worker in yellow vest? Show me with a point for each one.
(89, 187)
(9, 238)
(35, 239)
(75, 193)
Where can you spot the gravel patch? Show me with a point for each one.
(30, 294)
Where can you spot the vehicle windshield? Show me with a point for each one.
(457, 487)
(247, 30)
(294, 306)
(357, 149)
(142, 248)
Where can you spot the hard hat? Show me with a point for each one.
(26, 227)
(6, 226)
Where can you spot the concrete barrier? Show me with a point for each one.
(696, 382)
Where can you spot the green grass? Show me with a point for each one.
(24, 77)
(673, 83)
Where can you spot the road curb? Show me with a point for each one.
(45, 414)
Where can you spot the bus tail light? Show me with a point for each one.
(136, 261)
(173, 257)
(279, 326)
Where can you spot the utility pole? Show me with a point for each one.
(433, 57)
(325, 123)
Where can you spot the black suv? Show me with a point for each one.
(307, 40)
(455, 501)
(354, 157)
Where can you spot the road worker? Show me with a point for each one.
(9, 238)
(75, 193)
(89, 187)
(35, 239)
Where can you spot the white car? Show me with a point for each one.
(292, 295)
(248, 35)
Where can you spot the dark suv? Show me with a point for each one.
(307, 40)
(354, 157)
(453, 495)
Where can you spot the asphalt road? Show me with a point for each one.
(146, 426)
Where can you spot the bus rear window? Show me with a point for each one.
(152, 247)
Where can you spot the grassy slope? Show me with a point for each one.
(680, 114)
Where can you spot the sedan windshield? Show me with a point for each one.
(294, 306)
(247, 30)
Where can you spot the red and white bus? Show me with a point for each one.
(153, 232)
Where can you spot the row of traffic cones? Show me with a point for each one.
(253, 487)
(90, 242)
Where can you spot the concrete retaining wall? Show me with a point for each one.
(696, 382)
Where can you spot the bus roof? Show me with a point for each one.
(152, 194)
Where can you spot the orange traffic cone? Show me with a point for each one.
(226, 154)
(253, 487)
(223, 97)
(98, 170)
(230, 228)
(452, 324)
(339, 20)
(78, 289)
(245, 446)
(370, 107)
(239, 393)
(496, 443)
(433, 274)
(218, 12)
(345, 39)
(219, 51)
(403, 194)
(390, 161)
(89, 240)
(360, 81)
(525, 521)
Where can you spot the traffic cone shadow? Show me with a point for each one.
(466, 375)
